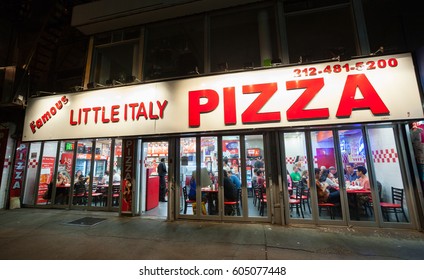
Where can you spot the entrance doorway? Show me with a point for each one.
(223, 178)
(154, 181)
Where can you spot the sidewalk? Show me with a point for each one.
(45, 234)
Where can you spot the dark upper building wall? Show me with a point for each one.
(106, 15)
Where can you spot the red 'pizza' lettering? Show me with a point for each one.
(195, 108)
(370, 101)
(251, 114)
(230, 108)
(297, 111)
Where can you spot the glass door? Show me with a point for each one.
(326, 188)
(298, 189)
(222, 178)
(154, 179)
(390, 194)
(46, 185)
(255, 191)
(357, 185)
(81, 196)
(64, 173)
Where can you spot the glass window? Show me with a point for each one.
(297, 175)
(243, 39)
(384, 26)
(390, 188)
(102, 175)
(232, 175)
(115, 63)
(321, 35)
(31, 173)
(64, 169)
(188, 176)
(48, 165)
(255, 176)
(209, 175)
(83, 172)
(326, 184)
(174, 48)
(357, 181)
(116, 182)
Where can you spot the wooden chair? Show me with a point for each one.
(396, 206)
(187, 201)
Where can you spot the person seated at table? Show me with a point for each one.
(105, 178)
(350, 174)
(295, 176)
(77, 175)
(192, 195)
(325, 195)
(234, 179)
(304, 182)
(62, 178)
(62, 191)
(333, 171)
(80, 191)
(192, 191)
(230, 190)
(289, 180)
(260, 178)
(329, 179)
(364, 182)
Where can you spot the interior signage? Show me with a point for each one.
(373, 89)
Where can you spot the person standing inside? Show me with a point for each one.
(162, 182)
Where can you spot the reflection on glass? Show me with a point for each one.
(255, 177)
(101, 174)
(174, 48)
(232, 174)
(209, 176)
(82, 172)
(358, 187)
(239, 29)
(45, 185)
(117, 162)
(326, 175)
(390, 188)
(115, 58)
(297, 176)
(65, 169)
(188, 168)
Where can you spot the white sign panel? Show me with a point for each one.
(373, 89)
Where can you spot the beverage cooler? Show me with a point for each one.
(100, 166)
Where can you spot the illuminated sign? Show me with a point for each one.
(374, 89)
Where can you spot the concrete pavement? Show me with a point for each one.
(45, 234)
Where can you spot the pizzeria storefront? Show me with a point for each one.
(277, 120)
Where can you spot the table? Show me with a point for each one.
(353, 194)
(212, 198)
(62, 193)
